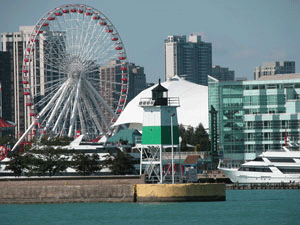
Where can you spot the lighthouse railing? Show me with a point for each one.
(171, 101)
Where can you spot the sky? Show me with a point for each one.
(244, 34)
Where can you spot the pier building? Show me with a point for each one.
(254, 116)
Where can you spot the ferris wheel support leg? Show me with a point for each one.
(58, 102)
(99, 111)
(73, 115)
(40, 114)
(82, 124)
(23, 136)
(101, 99)
(51, 101)
(63, 112)
(64, 126)
(91, 112)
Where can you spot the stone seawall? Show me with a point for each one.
(69, 189)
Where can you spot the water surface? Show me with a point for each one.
(241, 207)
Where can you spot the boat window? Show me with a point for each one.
(255, 169)
(258, 159)
(289, 169)
(277, 150)
(291, 160)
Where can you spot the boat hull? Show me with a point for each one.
(258, 177)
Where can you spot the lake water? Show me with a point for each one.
(241, 207)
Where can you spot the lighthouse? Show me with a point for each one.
(160, 131)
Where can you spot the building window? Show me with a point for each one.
(250, 137)
(267, 147)
(272, 99)
(266, 124)
(250, 124)
(272, 110)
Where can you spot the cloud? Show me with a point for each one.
(245, 52)
(277, 54)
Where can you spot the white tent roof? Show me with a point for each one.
(193, 100)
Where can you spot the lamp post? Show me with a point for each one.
(172, 142)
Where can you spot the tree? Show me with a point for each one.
(18, 163)
(201, 139)
(49, 160)
(120, 163)
(186, 135)
(86, 164)
(196, 137)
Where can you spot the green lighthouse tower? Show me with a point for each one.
(160, 130)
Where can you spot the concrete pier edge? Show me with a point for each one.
(180, 192)
(103, 189)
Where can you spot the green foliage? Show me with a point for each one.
(120, 163)
(49, 161)
(86, 164)
(18, 163)
(25, 148)
(45, 160)
(197, 137)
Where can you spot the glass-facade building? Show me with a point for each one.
(255, 116)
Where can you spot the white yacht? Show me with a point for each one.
(280, 166)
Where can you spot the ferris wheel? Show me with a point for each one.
(75, 73)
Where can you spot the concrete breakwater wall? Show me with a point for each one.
(69, 189)
(180, 192)
(103, 189)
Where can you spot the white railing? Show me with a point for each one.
(171, 101)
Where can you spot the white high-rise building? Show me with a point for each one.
(188, 58)
(15, 44)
